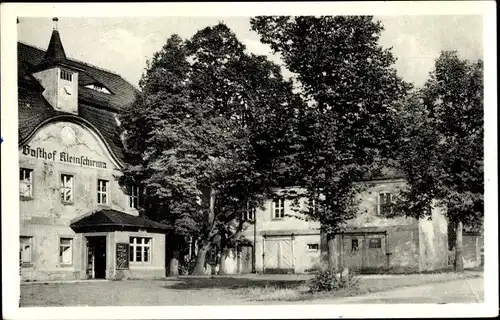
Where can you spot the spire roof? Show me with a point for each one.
(55, 52)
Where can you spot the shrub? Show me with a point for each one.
(187, 268)
(328, 279)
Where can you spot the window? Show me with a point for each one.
(25, 249)
(140, 249)
(384, 203)
(67, 188)
(65, 251)
(26, 183)
(248, 213)
(133, 196)
(313, 205)
(279, 208)
(98, 87)
(374, 243)
(102, 191)
(354, 245)
(313, 247)
(66, 75)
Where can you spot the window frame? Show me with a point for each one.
(60, 261)
(133, 198)
(354, 240)
(312, 205)
(63, 188)
(248, 213)
(133, 245)
(66, 75)
(372, 240)
(26, 264)
(100, 193)
(281, 208)
(31, 184)
(381, 205)
(316, 245)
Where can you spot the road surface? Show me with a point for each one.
(456, 291)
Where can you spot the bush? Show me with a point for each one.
(328, 279)
(187, 268)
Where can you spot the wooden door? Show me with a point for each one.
(246, 256)
(278, 255)
(374, 256)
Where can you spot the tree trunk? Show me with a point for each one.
(173, 266)
(200, 259)
(459, 259)
(222, 263)
(332, 253)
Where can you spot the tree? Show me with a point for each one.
(206, 131)
(165, 154)
(351, 87)
(441, 146)
(249, 95)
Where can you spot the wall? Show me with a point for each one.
(153, 269)
(433, 241)
(49, 79)
(367, 216)
(44, 217)
(400, 241)
(305, 259)
(293, 220)
(471, 250)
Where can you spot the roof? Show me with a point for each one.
(95, 108)
(55, 51)
(123, 92)
(114, 218)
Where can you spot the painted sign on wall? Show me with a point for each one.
(41, 153)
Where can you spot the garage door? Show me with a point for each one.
(278, 255)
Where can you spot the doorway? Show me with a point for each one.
(246, 259)
(278, 255)
(96, 257)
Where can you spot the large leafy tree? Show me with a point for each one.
(257, 106)
(171, 145)
(350, 85)
(441, 146)
(207, 130)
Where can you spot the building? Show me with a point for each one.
(76, 220)
(286, 242)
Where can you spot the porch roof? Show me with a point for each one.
(114, 218)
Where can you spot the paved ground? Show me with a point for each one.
(250, 289)
(456, 291)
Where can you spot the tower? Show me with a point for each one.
(58, 76)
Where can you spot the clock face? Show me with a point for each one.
(67, 90)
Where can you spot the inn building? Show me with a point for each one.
(76, 220)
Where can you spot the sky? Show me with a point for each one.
(124, 44)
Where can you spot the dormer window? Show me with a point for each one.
(98, 87)
(65, 75)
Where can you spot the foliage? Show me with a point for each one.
(441, 144)
(166, 157)
(328, 279)
(249, 93)
(351, 88)
(441, 147)
(206, 132)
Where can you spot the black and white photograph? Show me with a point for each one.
(303, 157)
